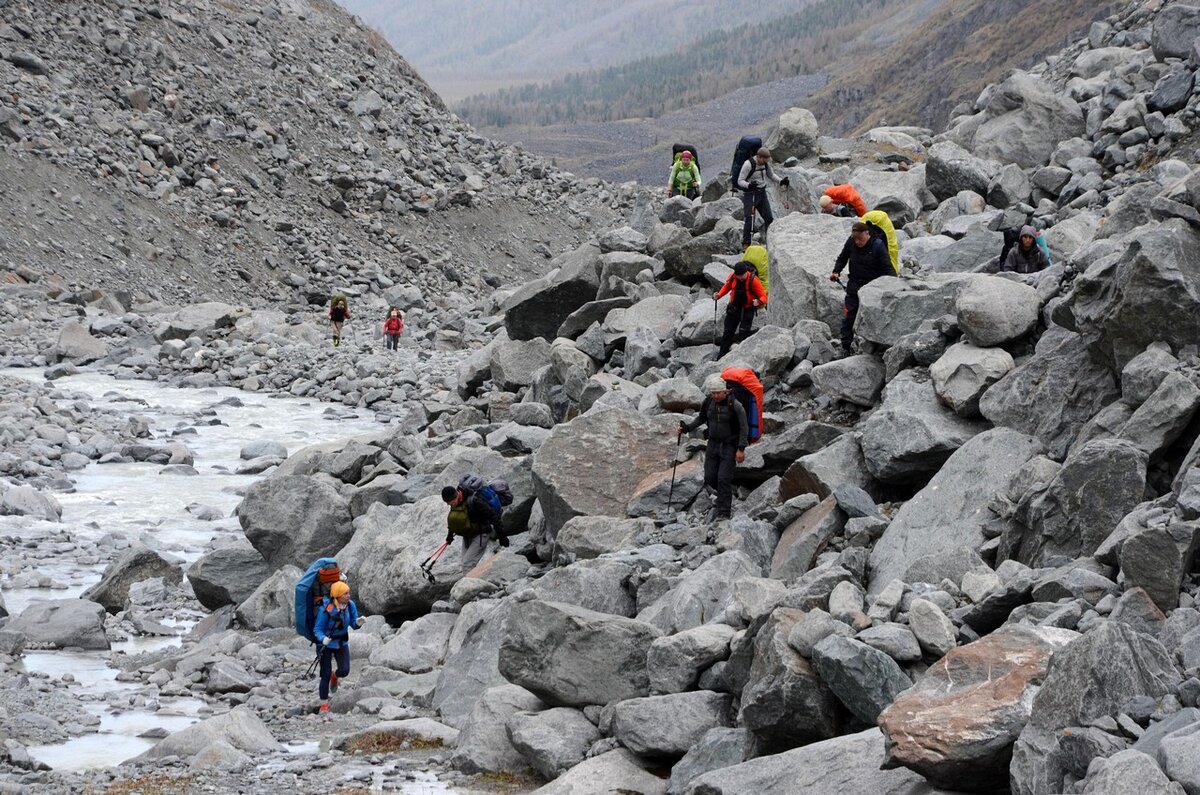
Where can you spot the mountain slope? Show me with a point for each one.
(271, 148)
(950, 58)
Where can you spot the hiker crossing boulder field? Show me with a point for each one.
(684, 179)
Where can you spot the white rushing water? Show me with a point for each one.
(135, 499)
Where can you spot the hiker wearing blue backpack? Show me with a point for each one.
(338, 614)
(752, 179)
(475, 516)
(728, 434)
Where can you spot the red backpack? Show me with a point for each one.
(749, 391)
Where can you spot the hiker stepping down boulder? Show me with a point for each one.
(746, 294)
(339, 313)
(475, 516)
(843, 201)
(728, 434)
(868, 259)
(753, 178)
(685, 173)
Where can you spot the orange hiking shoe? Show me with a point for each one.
(323, 708)
(333, 680)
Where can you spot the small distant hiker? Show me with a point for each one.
(843, 201)
(746, 295)
(868, 258)
(685, 176)
(1026, 256)
(727, 434)
(393, 327)
(337, 616)
(475, 518)
(753, 180)
(339, 313)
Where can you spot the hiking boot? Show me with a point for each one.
(323, 708)
(333, 683)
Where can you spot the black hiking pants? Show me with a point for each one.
(719, 464)
(738, 325)
(849, 313)
(755, 200)
(393, 341)
(328, 655)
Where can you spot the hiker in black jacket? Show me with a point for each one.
(727, 439)
(868, 258)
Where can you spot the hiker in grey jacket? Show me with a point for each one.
(1026, 256)
(752, 179)
(727, 439)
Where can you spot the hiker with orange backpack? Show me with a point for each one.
(338, 614)
(746, 295)
(728, 434)
(843, 201)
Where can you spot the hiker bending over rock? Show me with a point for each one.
(868, 259)
(1026, 256)
(843, 201)
(753, 180)
(727, 438)
(473, 518)
(685, 176)
(339, 313)
(338, 614)
(393, 327)
(746, 295)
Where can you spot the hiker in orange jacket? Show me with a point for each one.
(844, 201)
(746, 295)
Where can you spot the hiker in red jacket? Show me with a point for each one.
(393, 327)
(844, 201)
(746, 295)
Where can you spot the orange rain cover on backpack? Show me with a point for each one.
(745, 378)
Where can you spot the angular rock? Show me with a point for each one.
(667, 726)
(1158, 559)
(1128, 771)
(865, 679)
(134, 565)
(702, 595)
(717, 749)
(950, 169)
(472, 662)
(483, 742)
(295, 519)
(806, 538)
(419, 646)
(273, 603)
(676, 661)
(1026, 120)
(514, 362)
(77, 345)
(795, 135)
(803, 248)
(62, 624)
(891, 308)
(855, 379)
(994, 311)
(552, 741)
(240, 727)
(540, 307)
(227, 576)
(1174, 31)
(619, 770)
(964, 373)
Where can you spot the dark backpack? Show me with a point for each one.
(1012, 236)
(679, 149)
(746, 149)
(502, 491)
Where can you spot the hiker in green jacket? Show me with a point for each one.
(685, 177)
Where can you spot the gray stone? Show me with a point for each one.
(601, 585)
(816, 626)
(668, 726)
(950, 169)
(419, 646)
(514, 362)
(570, 656)
(965, 372)
(840, 461)
(552, 741)
(1162, 418)
(950, 510)
(588, 537)
(619, 770)
(795, 135)
(258, 449)
(803, 249)
(891, 308)
(1026, 120)
(539, 308)
(1128, 771)
(240, 728)
(77, 345)
(895, 640)
(624, 239)
(62, 624)
(133, 565)
(949, 563)
(1158, 559)
(676, 661)
(855, 379)
(865, 679)
(1172, 91)
(933, 630)
(25, 500)
(718, 748)
(1052, 394)
(229, 676)
(472, 661)
(483, 742)
(227, 576)
(1143, 374)
(702, 595)
(805, 539)
(295, 519)
(272, 604)
(1174, 31)
(994, 311)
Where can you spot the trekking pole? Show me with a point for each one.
(312, 666)
(427, 564)
(678, 443)
(715, 323)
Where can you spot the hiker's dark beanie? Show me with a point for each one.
(859, 226)
(449, 493)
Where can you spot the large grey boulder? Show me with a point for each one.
(863, 678)
(848, 764)
(62, 624)
(994, 311)
(768, 352)
(785, 703)
(514, 362)
(702, 595)
(951, 510)
(616, 771)
(676, 661)
(964, 372)
(1175, 30)
(717, 749)
(240, 727)
(554, 740)
(1070, 517)
(906, 187)
(538, 308)
(133, 565)
(196, 319)
(805, 538)
(1149, 291)
(295, 519)
(1157, 559)
(957, 725)
(912, 434)
(803, 250)
(667, 726)
(891, 307)
(25, 500)
(1026, 119)
(1163, 416)
(1093, 677)
(602, 585)
(591, 465)
(588, 537)
(569, 656)
(472, 661)
(1052, 394)
(77, 345)
(227, 576)
(854, 379)
(950, 169)
(272, 604)
(795, 135)
(659, 314)
(483, 742)
(1128, 771)
(418, 646)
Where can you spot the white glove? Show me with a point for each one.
(325, 641)
(360, 621)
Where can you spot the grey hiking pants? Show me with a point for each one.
(472, 552)
(719, 466)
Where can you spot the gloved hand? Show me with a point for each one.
(360, 621)
(835, 277)
(503, 541)
(449, 538)
(325, 641)
(783, 183)
(682, 429)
